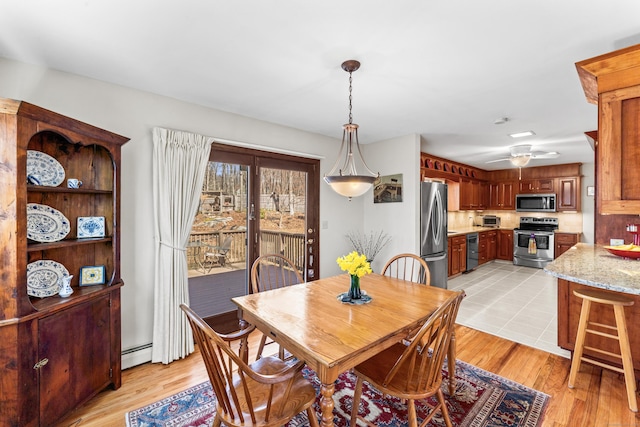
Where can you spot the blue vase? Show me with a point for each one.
(354, 289)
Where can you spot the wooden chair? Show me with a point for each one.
(408, 267)
(219, 254)
(267, 392)
(412, 371)
(273, 271)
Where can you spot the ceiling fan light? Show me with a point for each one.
(520, 161)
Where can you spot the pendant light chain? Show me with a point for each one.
(350, 89)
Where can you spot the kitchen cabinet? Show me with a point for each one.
(457, 253)
(612, 81)
(568, 198)
(492, 245)
(564, 241)
(502, 195)
(505, 245)
(536, 186)
(487, 246)
(469, 194)
(56, 352)
(483, 237)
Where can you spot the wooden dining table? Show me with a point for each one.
(311, 322)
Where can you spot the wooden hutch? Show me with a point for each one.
(55, 352)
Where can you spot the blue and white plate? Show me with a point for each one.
(90, 226)
(46, 224)
(43, 277)
(44, 169)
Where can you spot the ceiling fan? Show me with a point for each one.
(520, 155)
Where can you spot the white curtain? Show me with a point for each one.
(179, 166)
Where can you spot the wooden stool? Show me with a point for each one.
(618, 302)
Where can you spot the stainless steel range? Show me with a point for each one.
(540, 231)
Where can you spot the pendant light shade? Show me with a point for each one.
(343, 177)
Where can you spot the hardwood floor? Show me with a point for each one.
(598, 399)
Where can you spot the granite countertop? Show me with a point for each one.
(461, 231)
(593, 265)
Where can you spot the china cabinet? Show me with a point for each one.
(57, 352)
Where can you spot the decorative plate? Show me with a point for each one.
(47, 170)
(46, 224)
(90, 226)
(43, 277)
(624, 253)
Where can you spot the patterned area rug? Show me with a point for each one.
(481, 399)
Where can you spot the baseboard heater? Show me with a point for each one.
(136, 355)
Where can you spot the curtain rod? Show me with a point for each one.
(267, 148)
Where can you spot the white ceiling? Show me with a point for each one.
(446, 69)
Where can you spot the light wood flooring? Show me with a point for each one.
(598, 399)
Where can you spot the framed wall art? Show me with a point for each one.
(388, 189)
(92, 275)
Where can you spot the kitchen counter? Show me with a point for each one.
(592, 265)
(587, 266)
(461, 231)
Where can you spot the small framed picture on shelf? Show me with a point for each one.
(92, 275)
(90, 226)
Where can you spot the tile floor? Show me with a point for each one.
(513, 302)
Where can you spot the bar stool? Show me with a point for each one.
(618, 302)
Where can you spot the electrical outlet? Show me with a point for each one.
(616, 242)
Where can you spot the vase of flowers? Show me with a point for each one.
(357, 266)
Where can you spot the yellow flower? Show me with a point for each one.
(354, 264)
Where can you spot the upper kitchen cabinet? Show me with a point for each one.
(612, 81)
(536, 186)
(568, 194)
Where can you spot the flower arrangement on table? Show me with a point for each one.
(357, 266)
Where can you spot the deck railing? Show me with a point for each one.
(288, 244)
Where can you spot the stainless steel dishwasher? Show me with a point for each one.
(472, 251)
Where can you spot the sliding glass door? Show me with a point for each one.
(252, 203)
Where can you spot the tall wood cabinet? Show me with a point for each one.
(55, 352)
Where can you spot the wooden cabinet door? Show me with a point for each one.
(457, 255)
(568, 194)
(508, 195)
(492, 245)
(502, 195)
(77, 344)
(564, 241)
(505, 245)
(536, 186)
(483, 240)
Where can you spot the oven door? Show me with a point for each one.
(524, 255)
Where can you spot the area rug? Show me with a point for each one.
(481, 399)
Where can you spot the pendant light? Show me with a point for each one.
(343, 177)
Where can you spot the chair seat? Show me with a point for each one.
(375, 369)
(301, 395)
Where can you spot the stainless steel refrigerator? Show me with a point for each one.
(433, 231)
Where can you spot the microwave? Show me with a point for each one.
(535, 202)
(487, 221)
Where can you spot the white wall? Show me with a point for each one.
(134, 113)
(588, 203)
(401, 220)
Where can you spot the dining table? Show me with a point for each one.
(311, 322)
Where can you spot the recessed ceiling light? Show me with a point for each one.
(522, 134)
